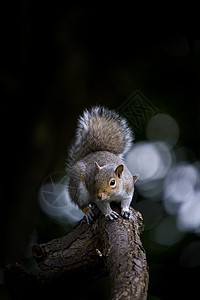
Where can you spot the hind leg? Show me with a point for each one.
(79, 193)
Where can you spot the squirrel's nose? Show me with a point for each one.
(100, 196)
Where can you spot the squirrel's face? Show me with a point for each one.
(107, 181)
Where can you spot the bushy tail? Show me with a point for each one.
(100, 129)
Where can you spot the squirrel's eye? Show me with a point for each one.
(112, 182)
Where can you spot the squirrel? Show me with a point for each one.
(96, 169)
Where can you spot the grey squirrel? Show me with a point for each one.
(96, 170)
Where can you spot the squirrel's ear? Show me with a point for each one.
(135, 178)
(97, 166)
(119, 171)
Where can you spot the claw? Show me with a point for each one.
(89, 216)
(113, 215)
(126, 214)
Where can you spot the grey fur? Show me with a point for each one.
(100, 129)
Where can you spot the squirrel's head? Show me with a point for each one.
(107, 180)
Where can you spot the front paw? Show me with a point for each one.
(89, 216)
(126, 214)
(113, 215)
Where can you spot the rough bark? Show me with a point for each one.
(88, 252)
(125, 258)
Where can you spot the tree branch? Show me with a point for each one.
(89, 252)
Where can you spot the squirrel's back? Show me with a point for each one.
(100, 129)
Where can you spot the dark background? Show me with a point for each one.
(55, 61)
